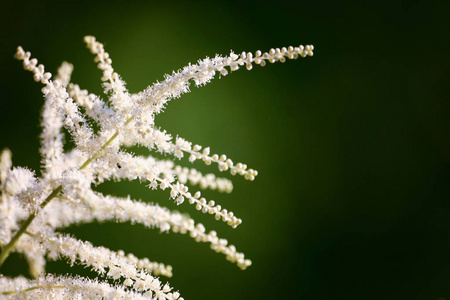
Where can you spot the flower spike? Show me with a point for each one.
(34, 210)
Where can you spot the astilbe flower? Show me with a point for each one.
(33, 209)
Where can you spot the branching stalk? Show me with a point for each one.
(6, 250)
(31, 288)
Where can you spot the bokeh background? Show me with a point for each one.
(352, 145)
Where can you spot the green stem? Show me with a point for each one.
(10, 246)
(32, 288)
(6, 250)
(89, 160)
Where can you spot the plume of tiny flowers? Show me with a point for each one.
(32, 209)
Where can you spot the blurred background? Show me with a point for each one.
(352, 145)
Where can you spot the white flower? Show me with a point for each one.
(18, 180)
(33, 210)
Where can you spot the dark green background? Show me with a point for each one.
(352, 145)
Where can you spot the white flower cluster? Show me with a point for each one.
(33, 209)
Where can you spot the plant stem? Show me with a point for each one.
(6, 250)
(32, 288)
(89, 160)
(9, 247)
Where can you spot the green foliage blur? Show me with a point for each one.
(352, 145)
